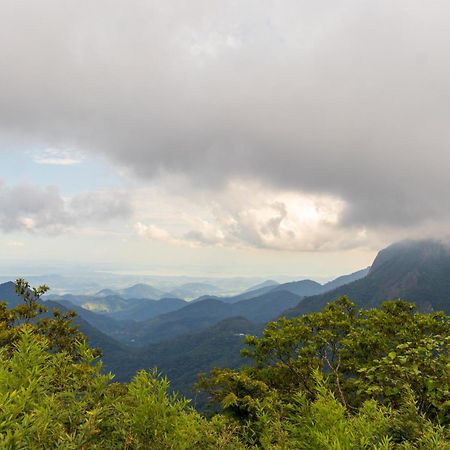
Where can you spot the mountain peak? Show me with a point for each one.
(416, 251)
(8, 294)
(416, 271)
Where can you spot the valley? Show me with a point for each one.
(182, 338)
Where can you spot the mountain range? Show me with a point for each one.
(416, 271)
(183, 338)
(187, 291)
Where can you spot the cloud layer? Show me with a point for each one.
(347, 100)
(249, 215)
(33, 208)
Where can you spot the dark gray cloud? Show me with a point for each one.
(348, 98)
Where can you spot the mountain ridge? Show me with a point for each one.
(416, 271)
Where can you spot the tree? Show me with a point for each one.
(57, 327)
(338, 379)
(53, 394)
(383, 355)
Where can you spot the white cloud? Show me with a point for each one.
(58, 162)
(243, 215)
(57, 157)
(249, 215)
(153, 232)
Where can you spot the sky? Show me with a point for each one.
(228, 138)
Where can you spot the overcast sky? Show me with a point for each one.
(251, 137)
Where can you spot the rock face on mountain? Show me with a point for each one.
(416, 271)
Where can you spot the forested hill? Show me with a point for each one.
(205, 313)
(416, 271)
(183, 357)
(207, 333)
(180, 358)
(340, 378)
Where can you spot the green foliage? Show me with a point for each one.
(338, 379)
(49, 400)
(371, 361)
(58, 328)
(54, 395)
(395, 348)
(326, 424)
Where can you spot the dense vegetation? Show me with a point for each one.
(341, 378)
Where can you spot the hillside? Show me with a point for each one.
(202, 314)
(346, 279)
(193, 290)
(100, 304)
(301, 288)
(96, 338)
(142, 290)
(146, 309)
(264, 284)
(417, 271)
(183, 357)
(120, 308)
(201, 335)
(99, 321)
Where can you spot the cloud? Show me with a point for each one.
(343, 99)
(248, 215)
(56, 157)
(153, 232)
(32, 208)
(36, 209)
(101, 206)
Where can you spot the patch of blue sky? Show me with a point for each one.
(87, 174)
